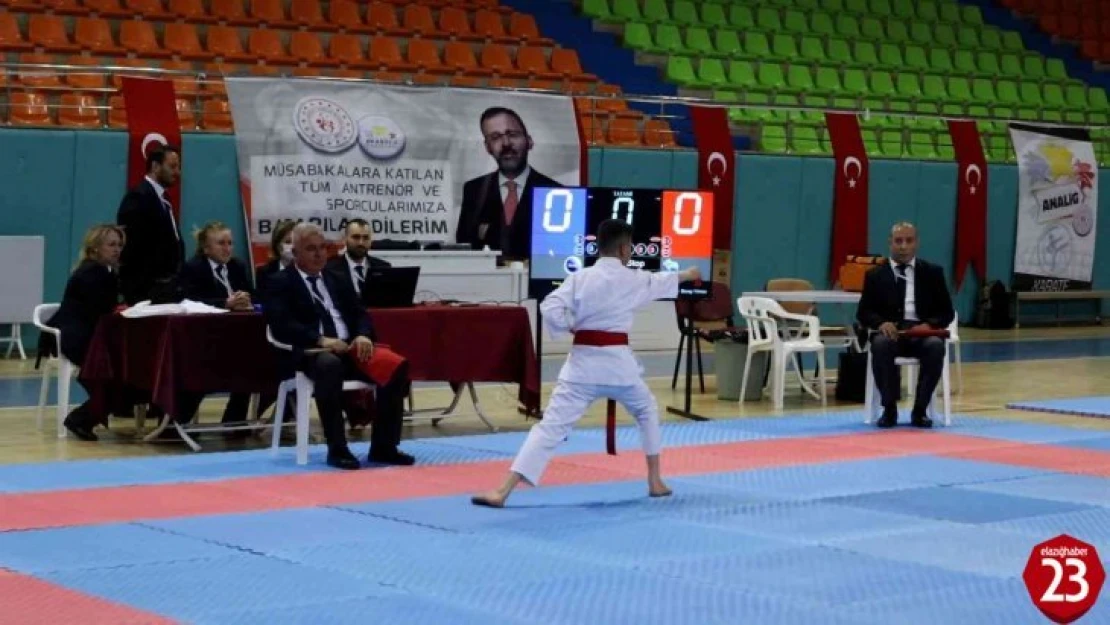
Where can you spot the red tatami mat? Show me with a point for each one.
(29, 601)
(328, 487)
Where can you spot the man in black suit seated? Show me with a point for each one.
(355, 263)
(909, 293)
(215, 278)
(497, 207)
(308, 309)
(154, 251)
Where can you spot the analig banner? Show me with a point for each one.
(328, 151)
(1057, 208)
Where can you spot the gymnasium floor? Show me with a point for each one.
(804, 516)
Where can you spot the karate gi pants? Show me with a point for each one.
(568, 403)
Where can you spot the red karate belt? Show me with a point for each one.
(601, 338)
(381, 365)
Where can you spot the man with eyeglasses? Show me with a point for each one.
(497, 207)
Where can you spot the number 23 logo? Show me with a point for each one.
(1079, 577)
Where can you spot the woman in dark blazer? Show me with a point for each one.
(92, 291)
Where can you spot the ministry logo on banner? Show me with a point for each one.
(412, 161)
(1057, 208)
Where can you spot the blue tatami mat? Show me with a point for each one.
(1087, 406)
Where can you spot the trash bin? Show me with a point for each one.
(728, 358)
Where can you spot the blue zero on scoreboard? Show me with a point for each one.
(558, 234)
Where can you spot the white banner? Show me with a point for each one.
(329, 151)
(1057, 208)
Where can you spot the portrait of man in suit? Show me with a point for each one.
(497, 207)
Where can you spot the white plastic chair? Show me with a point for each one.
(303, 386)
(761, 314)
(64, 368)
(871, 408)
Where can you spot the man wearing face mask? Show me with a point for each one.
(497, 207)
(355, 264)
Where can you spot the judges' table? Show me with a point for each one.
(464, 344)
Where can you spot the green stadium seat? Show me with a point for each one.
(1034, 67)
(959, 89)
(795, 22)
(1075, 117)
(839, 52)
(982, 91)
(855, 82)
(952, 110)
(800, 79)
(897, 31)
(1054, 68)
(940, 61)
(990, 39)
(1012, 41)
(756, 45)
(1052, 116)
(1000, 150)
(1076, 97)
(950, 12)
(656, 11)
(988, 63)
(626, 10)
(971, 15)
(669, 38)
(1010, 65)
(890, 56)
(882, 8)
(871, 142)
(685, 12)
(772, 138)
(822, 24)
(1030, 94)
(741, 17)
(828, 80)
(921, 145)
(916, 59)
(859, 7)
(1007, 92)
(812, 50)
(783, 100)
(1028, 115)
(844, 103)
(968, 38)
(805, 141)
(597, 9)
(784, 47)
(1003, 112)
(933, 89)
(847, 27)
(697, 41)
(964, 62)
(757, 115)
(680, 70)
(871, 28)
(927, 11)
(638, 37)
(727, 43)
(890, 142)
(714, 15)
(881, 84)
(711, 72)
(832, 6)
(742, 74)
(863, 52)
(1053, 96)
(770, 76)
(945, 151)
(945, 35)
(1097, 119)
(921, 33)
(1097, 99)
(767, 19)
(808, 5)
(908, 86)
(928, 121)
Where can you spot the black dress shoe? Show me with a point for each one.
(921, 421)
(395, 456)
(343, 460)
(80, 429)
(888, 420)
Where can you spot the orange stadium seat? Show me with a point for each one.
(306, 48)
(270, 13)
(213, 84)
(460, 57)
(190, 11)
(230, 12)
(381, 18)
(224, 42)
(49, 32)
(496, 58)
(308, 14)
(565, 61)
(345, 16)
(183, 41)
(417, 18)
(26, 6)
(186, 117)
(78, 110)
(266, 46)
(65, 7)
(107, 8)
(489, 25)
(27, 108)
(38, 78)
(148, 9)
(388, 76)
(624, 131)
(216, 116)
(10, 36)
(523, 27)
(459, 80)
(425, 56)
(347, 50)
(78, 80)
(264, 70)
(117, 114)
(95, 35)
(534, 61)
(138, 37)
(118, 75)
(500, 82)
(455, 22)
(184, 84)
(385, 54)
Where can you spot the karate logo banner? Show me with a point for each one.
(397, 156)
(1057, 208)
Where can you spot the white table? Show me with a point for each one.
(464, 275)
(816, 297)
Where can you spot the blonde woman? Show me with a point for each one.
(213, 276)
(92, 292)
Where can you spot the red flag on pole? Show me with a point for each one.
(151, 122)
(850, 190)
(716, 167)
(971, 199)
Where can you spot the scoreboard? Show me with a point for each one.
(672, 230)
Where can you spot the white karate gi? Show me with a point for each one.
(602, 297)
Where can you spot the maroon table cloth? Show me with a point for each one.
(154, 358)
(464, 344)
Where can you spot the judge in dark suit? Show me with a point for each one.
(907, 293)
(91, 292)
(355, 264)
(215, 278)
(155, 251)
(281, 255)
(497, 207)
(307, 308)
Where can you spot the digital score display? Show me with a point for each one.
(672, 230)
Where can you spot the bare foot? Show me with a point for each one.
(490, 499)
(659, 489)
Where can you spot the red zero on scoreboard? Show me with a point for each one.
(1064, 576)
(687, 224)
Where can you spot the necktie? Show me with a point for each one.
(901, 270)
(511, 201)
(223, 278)
(322, 310)
(169, 211)
(361, 272)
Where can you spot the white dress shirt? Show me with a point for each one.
(340, 325)
(911, 301)
(603, 297)
(225, 279)
(355, 279)
(161, 191)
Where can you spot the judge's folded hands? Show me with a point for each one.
(362, 346)
(240, 301)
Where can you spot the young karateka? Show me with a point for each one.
(596, 305)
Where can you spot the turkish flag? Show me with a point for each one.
(850, 190)
(971, 199)
(151, 122)
(716, 167)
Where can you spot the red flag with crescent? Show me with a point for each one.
(151, 122)
(716, 167)
(850, 190)
(971, 199)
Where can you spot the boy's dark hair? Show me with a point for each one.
(611, 234)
